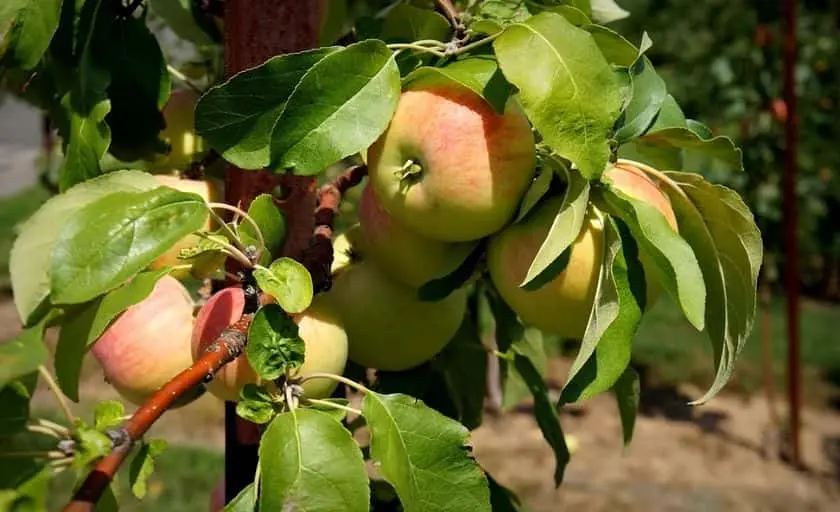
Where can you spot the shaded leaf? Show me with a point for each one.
(649, 93)
(108, 241)
(86, 325)
(626, 390)
(441, 287)
(539, 188)
(271, 221)
(310, 461)
(236, 117)
(339, 107)
(480, 74)
(422, 454)
(255, 404)
(514, 388)
(463, 364)
(274, 345)
(14, 402)
(179, 16)
(720, 148)
(26, 29)
(143, 465)
(23, 355)
(406, 23)
(566, 86)
(502, 498)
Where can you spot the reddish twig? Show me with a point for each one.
(225, 349)
(318, 256)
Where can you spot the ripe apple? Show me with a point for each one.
(325, 341)
(404, 255)
(208, 190)
(149, 343)
(449, 167)
(179, 132)
(387, 326)
(562, 306)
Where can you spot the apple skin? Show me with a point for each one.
(149, 343)
(562, 306)
(208, 190)
(388, 327)
(404, 255)
(325, 341)
(474, 164)
(179, 132)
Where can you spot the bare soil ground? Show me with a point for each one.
(682, 458)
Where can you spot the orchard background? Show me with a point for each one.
(722, 62)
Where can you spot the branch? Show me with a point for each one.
(318, 256)
(225, 349)
(196, 170)
(451, 13)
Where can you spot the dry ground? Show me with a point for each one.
(682, 458)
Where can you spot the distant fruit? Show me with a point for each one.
(149, 343)
(404, 255)
(450, 167)
(179, 132)
(325, 341)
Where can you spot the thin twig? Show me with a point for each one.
(318, 256)
(251, 221)
(183, 79)
(225, 349)
(59, 396)
(60, 429)
(39, 429)
(339, 378)
(451, 13)
(334, 405)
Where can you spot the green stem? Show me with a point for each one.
(473, 45)
(62, 401)
(334, 405)
(344, 380)
(415, 47)
(39, 429)
(55, 427)
(183, 79)
(251, 221)
(231, 251)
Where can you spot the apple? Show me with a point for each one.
(179, 132)
(450, 167)
(324, 339)
(404, 255)
(562, 306)
(149, 343)
(388, 327)
(209, 191)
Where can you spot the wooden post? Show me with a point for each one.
(254, 31)
(790, 216)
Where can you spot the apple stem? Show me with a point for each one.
(251, 221)
(59, 396)
(344, 380)
(451, 52)
(183, 79)
(40, 429)
(334, 405)
(231, 251)
(417, 47)
(661, 176)
(409, 170)
(55, 427)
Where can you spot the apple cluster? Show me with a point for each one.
(448, 172)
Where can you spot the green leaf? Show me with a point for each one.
(87, 103)
(14, 402)
(108, 241)
(274, 345)
(339, 107)
(143, 465)
(721, 230)
(442, 287)
(92, 444)
(422, 454)
(626, 390)
(720, 148)
(545, 414)
(213, 244)
(479, 73)
(463, 364)
(615, 47)
(26, 29)
(502, 498)
(245, 501)
(674, 263)
(649, 93)
(508, 328)
(108, 414)
(23, 355)
(616, 313)
(87, 324)
(29, 265)
(406, 23)
(236, 117)
(178, 15)
(607, 11)
(563, 231)
(271, 221)
(538, 189)
(514, 388)
(566, 87)
(310, 461)
(334, 412)
(287, 281)
(255, 404)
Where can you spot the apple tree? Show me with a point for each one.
(523, 174)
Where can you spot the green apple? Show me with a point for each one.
(450, 167)
(179, 132)
(149, 343)
(324, 339)
(403, 254)
(387, 326)
(562, 306)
